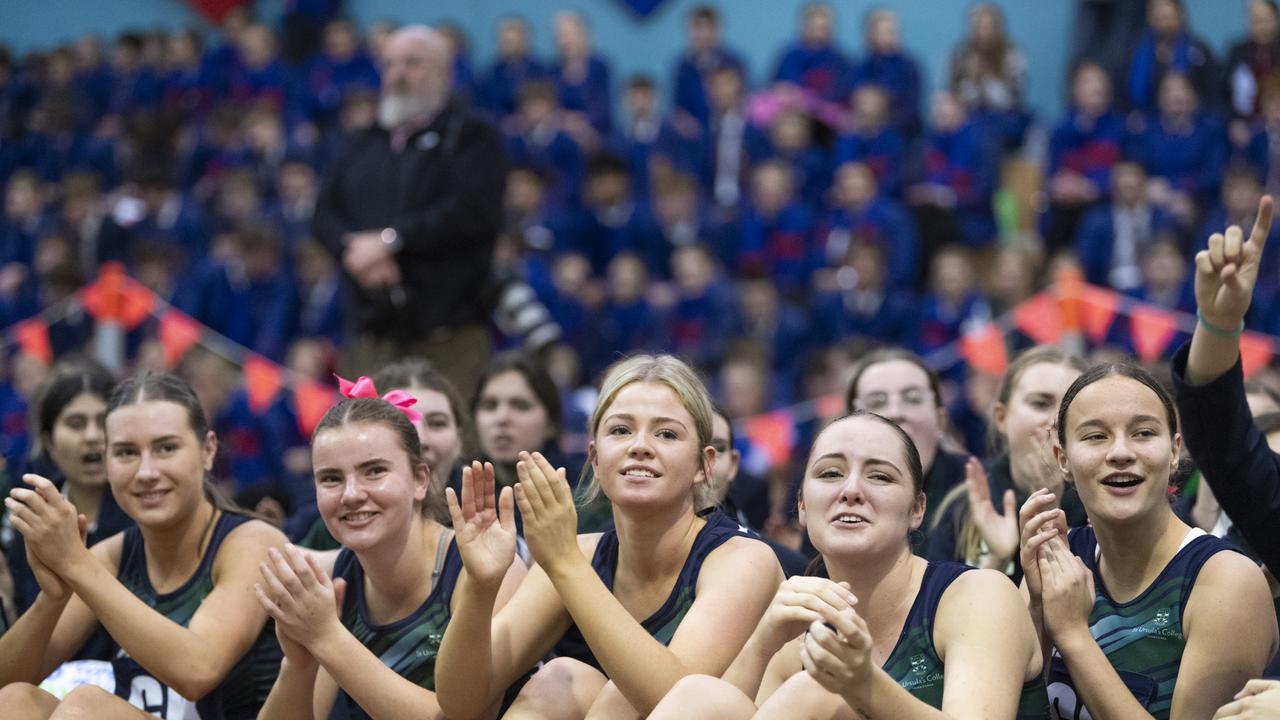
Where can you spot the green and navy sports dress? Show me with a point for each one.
(409, 645)
(243, 690)
(914, 663)
(1142, 638)
(662, 624)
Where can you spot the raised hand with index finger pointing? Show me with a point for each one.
(1227, 271)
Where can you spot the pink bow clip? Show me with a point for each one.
(363, 388)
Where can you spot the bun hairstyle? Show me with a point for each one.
(376, 411)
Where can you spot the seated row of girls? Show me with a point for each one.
(174, 593)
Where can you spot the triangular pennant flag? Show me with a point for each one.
(984, 350)
(1152, 329)
(311, 401)
(1255, 352)
(33, 338)
(177, 332)
(114, 296)
(774, 433)
(1069, 284)
(1040, 318)
(262, 381)
(1097, 310)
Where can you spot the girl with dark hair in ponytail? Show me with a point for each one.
(175, 593)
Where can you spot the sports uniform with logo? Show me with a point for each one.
(244, 689)
(914, 663)
(409, 645)
(1143, 638)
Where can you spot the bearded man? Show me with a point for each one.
(411, 210)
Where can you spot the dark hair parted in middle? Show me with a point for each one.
(1106, 370)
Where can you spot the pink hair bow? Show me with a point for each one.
(363, 388)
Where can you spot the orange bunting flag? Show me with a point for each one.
(984, 350)
(1097, 310)
(1152, 329)
(178, 332)
(1040, 318)
(1255, 352)
(774, 434)
(33, 338)
(117, 297)
(311, 401)
(262, 380)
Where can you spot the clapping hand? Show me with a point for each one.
(298, 594)
(999, 531)
(484, 526)
(546, 503)
(54, 531)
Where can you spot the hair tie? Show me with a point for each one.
(363, 388)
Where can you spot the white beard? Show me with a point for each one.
(396, 109)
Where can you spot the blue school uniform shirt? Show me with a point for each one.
(691, 76)
(1191, 158)
(498, 90)
(964, 162)
(1087, 146)
(592, 95)
(888, 315)
(899, 75)
(779, 246)
(823, 70)
(882, 223)
(942, 322)
(882, 150)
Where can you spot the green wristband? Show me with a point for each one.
(1215, 330)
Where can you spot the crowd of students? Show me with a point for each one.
(461, 590)
(428, 553)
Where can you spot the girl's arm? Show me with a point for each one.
(54, 627)
(1231, 634)
(734, 587)
(482, 654)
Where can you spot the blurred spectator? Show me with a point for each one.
(860, 301)
(813, 62)
(321, 309)
(734, 143)
(1251, 62)
(499, 89)
(775, 236)
(259, 74)
(952, 199)
(583, 78)
(613, 221)
(296, 190)
(530, 228)
(953, 301)
(871, 139)
(1105, 32)
(186, 85)
(1167, 46)
(703, 55)
(22, 222)
(134, 83)
(1082, 150)
(151, 206)
(247, 295)
(888, 66)
(1166, 276)
(864, 216)
(987, 72)
(650, 142)
(92, 78)
(340, 67)
(1183, 149)
(677, 210)
(1238, 205)
(627, 323)
(698, 324)
(1012, 277)
(780, 329)
(535, 136)
(1112, 237)
(1263, 150)
(412, 208)
(460, 51)
(791, 137)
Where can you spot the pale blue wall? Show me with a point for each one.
(756, 27)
